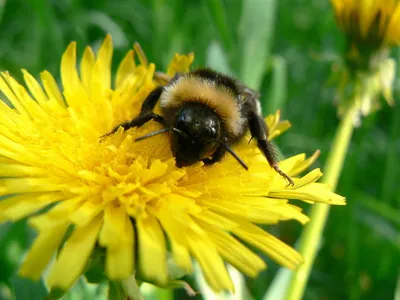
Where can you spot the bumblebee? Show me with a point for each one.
(206, 113)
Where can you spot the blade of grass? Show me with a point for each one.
(390, 175)
(276, 289)
(216, 58)
(312, 234)
(2, 4)
(397, 291)
(352, 234)
(277, 94)
(48, 31)
(256, 30)
(387, 211)
(381, 227)
(108, 25)
(163, 15)
(219, 16)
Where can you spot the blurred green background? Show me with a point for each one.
(285, 49)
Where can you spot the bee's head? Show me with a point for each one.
(197, 129)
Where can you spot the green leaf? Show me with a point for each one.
(55, 294)
(13, 241)
(26, 289)
(115, 291)
(81, 290)
(95, 269)
(256, 30)
(95, 274)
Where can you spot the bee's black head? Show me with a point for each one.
(198, 128)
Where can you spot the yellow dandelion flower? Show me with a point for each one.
(80, 191)
(374, 23)
(371, 27)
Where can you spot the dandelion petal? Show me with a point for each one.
(119, 260)
(152, 249)
(74, 255)
(42, 251)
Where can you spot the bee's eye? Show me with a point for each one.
(182, 121)
(213, 131)
(179, 122)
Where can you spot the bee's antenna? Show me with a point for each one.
(178, 131)
(152, 134)
(229, 149)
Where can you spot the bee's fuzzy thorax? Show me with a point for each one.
(221, 99)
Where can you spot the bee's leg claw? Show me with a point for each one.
(284, 175)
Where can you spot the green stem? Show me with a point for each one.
(311, 236)
(131, 288)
